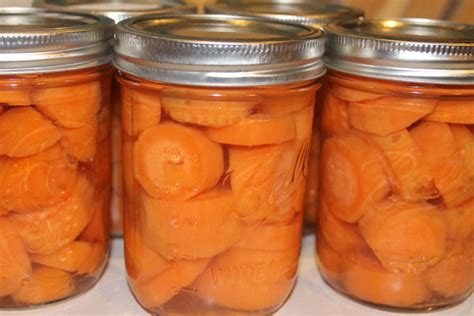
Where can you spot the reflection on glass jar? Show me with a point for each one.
(396, 223)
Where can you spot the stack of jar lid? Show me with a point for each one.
(223, 135)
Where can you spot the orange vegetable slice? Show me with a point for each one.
(460, 221)
(140, 110)
(334, 115)
(272, 237)
(162, 288)
(142, 262)
(341, 236)
(107, 123)
(15, 265)
(172, 161)
(264, 180)
(81, 142)
(408, 237)
(249, 280)
(368, 281)
(15, 97)
(210, 113)
(413, 180)
(25, 132)
(462, 135)
(97, 230)
(453, 111)
(465, 141)
(452, 276)
(386, 115)
(445, 161)
(353, 95)
(46, 285)
(36, 182)
(198, 228)
(47, 231)
(352, 177)
(332, 264)
(277, 105)
(69, 106)
(257, 129)
(99, 168)
(78, 257)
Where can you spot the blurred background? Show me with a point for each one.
(454, 10)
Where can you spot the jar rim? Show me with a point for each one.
(410, 50)
(39, 41)
(220, 50)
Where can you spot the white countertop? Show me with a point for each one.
(311, 296)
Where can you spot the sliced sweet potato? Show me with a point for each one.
(352, 177)
(81, 142)
(36, 182)
(160, 289)
(45, 285)
(25, 132)
(388, 114)
(341, 236)
(69, 106)
(353, 95)
(331, 263)
(453, 111)
(413, 180)
(198, 228)
(444, 160)
(272, 237)
(140, 110)
(370, 282)
(78, 256)
(264, 180)
(334, 115)
(460, 221)
(249, 280)
(172, 161)
(452, 276)
(210, 113)
(15, 97)
(15, 265)
(408, 237)
(257, 129)
(47, 231)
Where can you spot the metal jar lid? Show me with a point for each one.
(218, 50)
(411, 50)
(118, 10)
(308, 12)
(38, 41)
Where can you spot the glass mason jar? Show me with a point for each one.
(216, 136)
(308, 12)
(396, 223)
(55, 79)
(117, 10)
